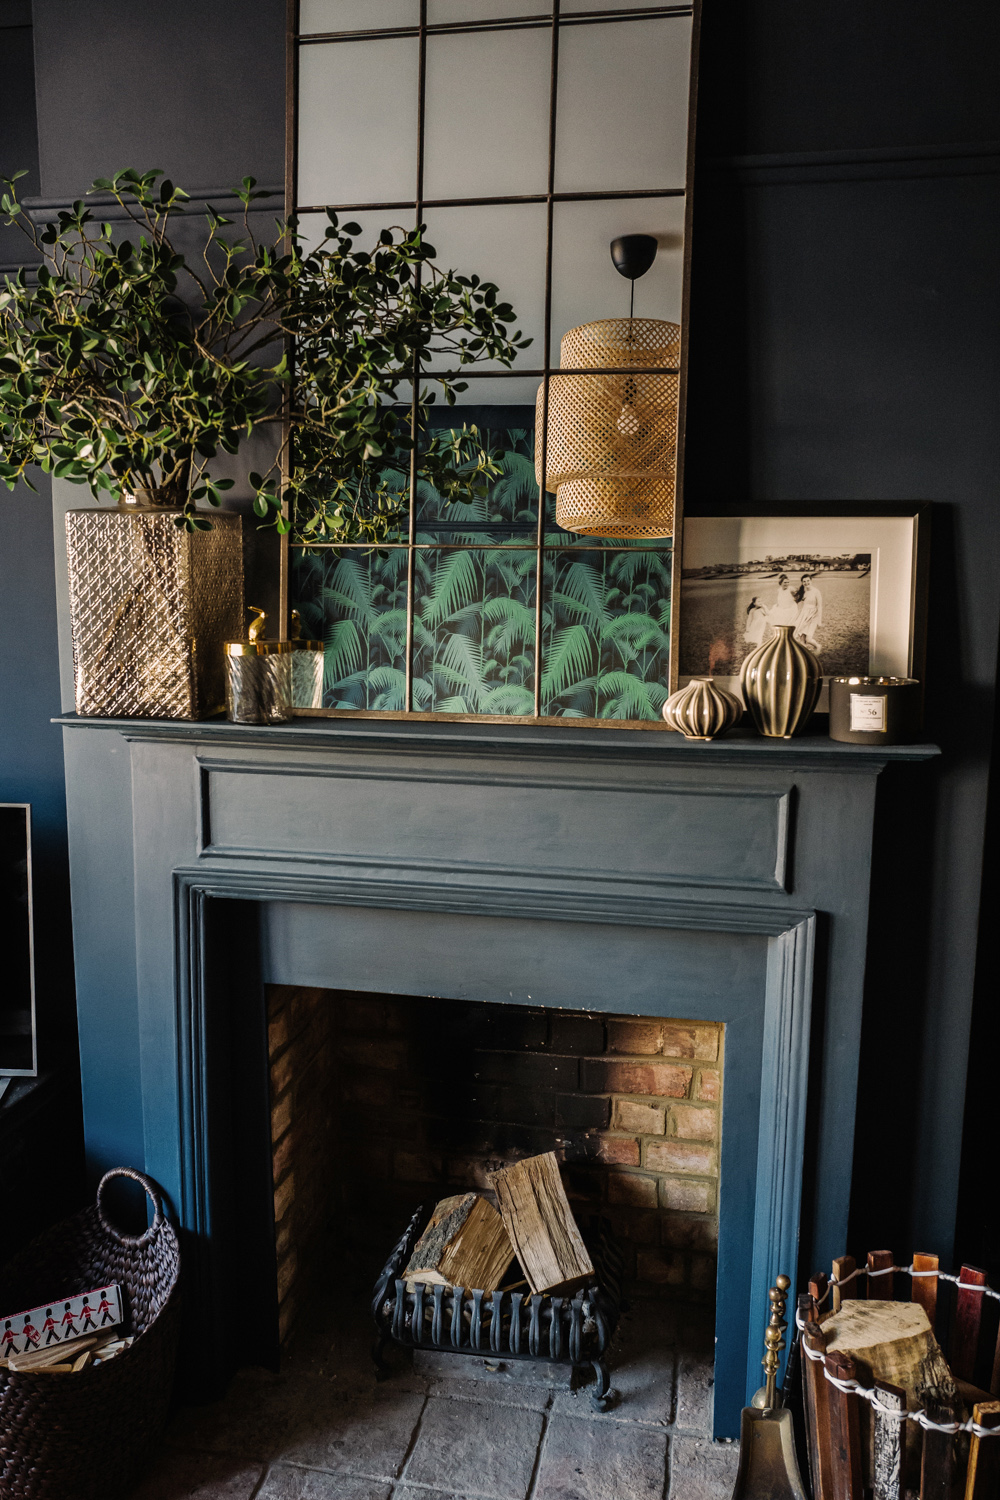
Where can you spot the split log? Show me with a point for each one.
(888, 1442)
(924, 1289)
(983, 1477)
(540, 1223)
(891, 1342)
(55, 1354)
(465, 1244)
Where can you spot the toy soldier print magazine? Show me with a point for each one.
(62, 1322)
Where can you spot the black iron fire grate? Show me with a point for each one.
(506, 1324)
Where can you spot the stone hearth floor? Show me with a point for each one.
(325, 1430)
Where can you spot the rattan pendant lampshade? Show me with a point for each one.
(611, 449)
(611, 452)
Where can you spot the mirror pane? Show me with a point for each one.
(441, 12)
(474, 631)
(357, 114)
(312, 227)
(571, 6)
(501, 390)
(355, 602)
(585, 284)
(487, 114)
(622, 115)
(505, 244)
(605, 633)
(509, 509)
(356, 15)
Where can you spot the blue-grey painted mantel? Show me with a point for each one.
(610, 870)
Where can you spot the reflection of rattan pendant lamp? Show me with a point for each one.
(611, 453)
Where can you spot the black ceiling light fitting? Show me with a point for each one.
(632, 256)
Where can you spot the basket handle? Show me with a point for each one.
(152, 1192)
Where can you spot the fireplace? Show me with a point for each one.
(646, 886)
(382, 1103)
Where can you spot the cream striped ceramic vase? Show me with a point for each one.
(781, 682)
(701, 710)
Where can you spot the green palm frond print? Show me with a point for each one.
(605, 614)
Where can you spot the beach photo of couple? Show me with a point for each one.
(801, 607)
(730, 608)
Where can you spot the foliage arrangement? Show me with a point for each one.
(605, 615)
(130, 366)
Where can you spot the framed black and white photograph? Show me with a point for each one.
(850, 584)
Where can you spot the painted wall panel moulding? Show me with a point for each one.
(721, 835)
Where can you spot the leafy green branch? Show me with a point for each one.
(128, 367)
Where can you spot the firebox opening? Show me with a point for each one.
(381, 1103)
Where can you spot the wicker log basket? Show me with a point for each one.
(84, 1436)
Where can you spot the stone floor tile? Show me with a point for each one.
(367, 1435)
(411, 1492)
(519, 1393)
(198, 1476)
(701, 1469)
(284, 1482)
(468, 1447)
(695, 1390)
(601, 1461)
(641, 1362)
(491, 1369)
(253, 1419)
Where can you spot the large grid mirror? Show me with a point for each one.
(526, 137)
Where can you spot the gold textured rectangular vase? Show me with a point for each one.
(151, 608)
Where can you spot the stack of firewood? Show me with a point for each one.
(857, 1449)
(471, 1243)
(69, 1358)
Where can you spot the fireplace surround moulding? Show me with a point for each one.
(605, 870)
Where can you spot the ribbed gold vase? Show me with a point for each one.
(700, 710)
(781, 682)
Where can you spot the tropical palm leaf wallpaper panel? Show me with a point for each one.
(474, 631)
(605, 638)
(605, 634)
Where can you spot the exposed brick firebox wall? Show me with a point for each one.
(433, 1094)
(304, 1127)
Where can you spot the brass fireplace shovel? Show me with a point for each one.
(769, 1468)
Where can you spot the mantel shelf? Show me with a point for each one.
(740, 747)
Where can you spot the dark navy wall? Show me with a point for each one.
(845, 345)
(18, 138)
(195, 87)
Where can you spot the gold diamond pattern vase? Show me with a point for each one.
(700, 710)
(151, 607)
(781, 682)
